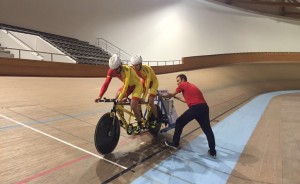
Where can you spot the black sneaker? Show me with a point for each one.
(171, 144)
(213, 154)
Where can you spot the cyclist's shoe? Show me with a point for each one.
(148, 125)
(213, 154)
(171, 144)
(138, 128)
(154, 123)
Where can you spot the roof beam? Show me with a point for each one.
(292, 13)
(269, 3)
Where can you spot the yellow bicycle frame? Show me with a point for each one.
(120, 110)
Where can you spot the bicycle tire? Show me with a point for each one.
(104, 142)
(155, 131)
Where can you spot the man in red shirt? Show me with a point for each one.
(198, 109)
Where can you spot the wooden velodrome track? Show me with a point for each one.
(63, 110)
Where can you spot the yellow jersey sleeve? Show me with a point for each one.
(126, 81)
(149, 74)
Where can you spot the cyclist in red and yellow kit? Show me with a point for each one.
(131, 84)
(150, 82)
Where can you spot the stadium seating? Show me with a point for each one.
(82, 52)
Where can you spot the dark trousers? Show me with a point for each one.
(200, 112)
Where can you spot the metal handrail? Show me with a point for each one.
(125, 57)
(157, 63)
(91, 57)
(111, 45)
(112, 49)
(38, 52)
(164, 63)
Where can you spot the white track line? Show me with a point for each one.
(93, 154)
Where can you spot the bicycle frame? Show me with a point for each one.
(119, 110)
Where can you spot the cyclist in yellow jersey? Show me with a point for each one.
(131, 84)
(150, 81)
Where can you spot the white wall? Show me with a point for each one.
(10, 41)
(157, 29)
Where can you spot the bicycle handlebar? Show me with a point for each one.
(107, 100)
(127, 102)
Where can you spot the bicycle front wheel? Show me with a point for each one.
(107, 134)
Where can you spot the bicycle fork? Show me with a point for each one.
(112, 127)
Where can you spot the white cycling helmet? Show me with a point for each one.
(137, 59)
(114, 62)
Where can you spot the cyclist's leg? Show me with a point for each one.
(152, 105)
(136, 96)
(129, 91)
(118, 93)
(151, 97)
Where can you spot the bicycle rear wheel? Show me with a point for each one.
(107, 134)
(155, 131)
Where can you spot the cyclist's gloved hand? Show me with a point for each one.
(98, 99)
(124, 100)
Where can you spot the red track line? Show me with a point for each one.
(52, 170)
(43, 173)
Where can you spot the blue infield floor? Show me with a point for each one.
(191, 164)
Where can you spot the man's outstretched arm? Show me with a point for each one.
(169, 95)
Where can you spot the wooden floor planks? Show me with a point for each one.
(272, 154)
(64, 107)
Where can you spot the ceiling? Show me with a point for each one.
(289, 9)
